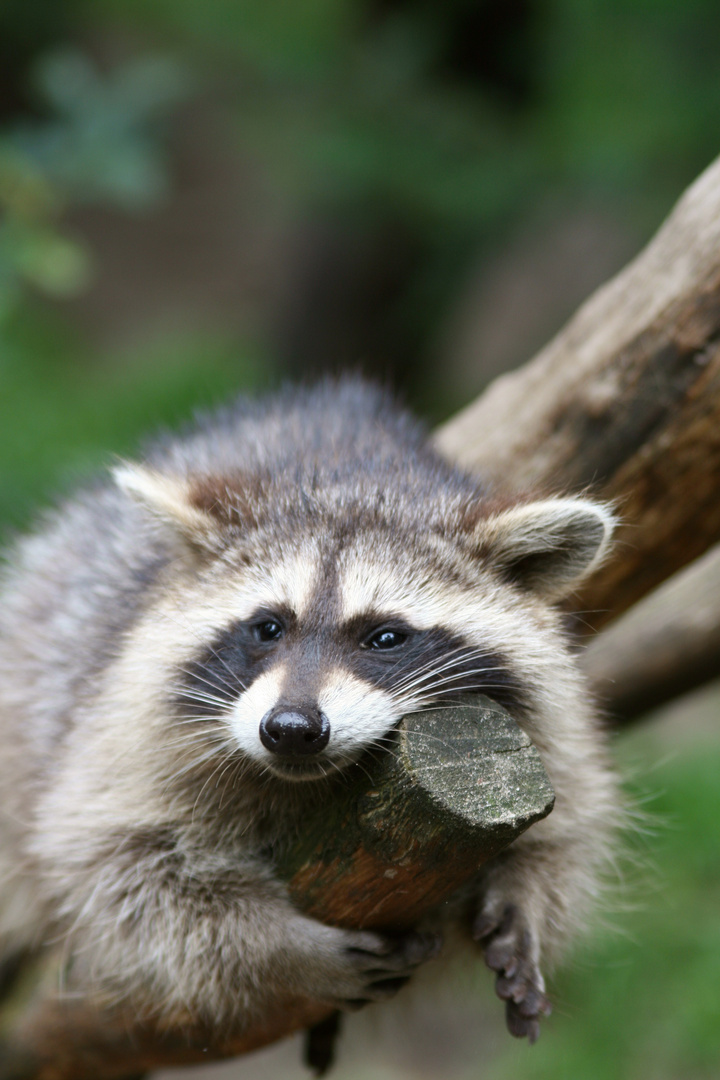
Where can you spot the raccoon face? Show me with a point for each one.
(304, 695)
(325, 638)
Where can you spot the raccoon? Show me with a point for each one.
(196, 648)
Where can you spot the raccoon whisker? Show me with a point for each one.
(432, 672)
(428, 684)
(446, 670)
(456, 656)
(438, 708)
(362, 768)
(217, 782)
(417, 670)
(192, 717)
(192, 714)
(210, 719)
(331, 765)
(193, 738)
(197, 717)
(460, 655)
(236, 681)
(213, 686)
(440, 696)
(388, 738)
(196, 738)
(450, 676)
(232, 686)
(442, 686)
(418, 704)
(194, 693)
(198, 698)
(405, 699)
(208, 729)
(194, 763)
(223, 764)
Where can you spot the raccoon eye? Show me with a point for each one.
(386, 639)
(268, 630)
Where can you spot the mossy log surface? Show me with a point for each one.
(413, 824)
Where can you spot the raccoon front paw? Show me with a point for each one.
(376, 966)
(510, 951)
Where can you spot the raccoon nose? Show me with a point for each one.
(294, 732)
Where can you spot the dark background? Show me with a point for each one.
(204, 196)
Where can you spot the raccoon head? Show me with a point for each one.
(306, 634)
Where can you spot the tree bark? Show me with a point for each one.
(665, 646)
(623, 404)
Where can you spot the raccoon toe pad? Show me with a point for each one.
(508, 947)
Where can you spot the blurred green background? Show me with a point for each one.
(205, 196)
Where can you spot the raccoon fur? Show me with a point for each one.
(202, 642)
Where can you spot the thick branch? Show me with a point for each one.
(667, 645)
(626, 402)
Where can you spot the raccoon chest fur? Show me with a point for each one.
(209, 636)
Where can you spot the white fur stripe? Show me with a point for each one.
(250, 708)
(358, 713)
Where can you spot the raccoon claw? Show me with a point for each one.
(385, 964)
(508, 951)
(519, 1026)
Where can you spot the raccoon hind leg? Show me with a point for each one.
(320, 1042)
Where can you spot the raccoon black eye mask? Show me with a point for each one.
(434, 664)
(201, 644)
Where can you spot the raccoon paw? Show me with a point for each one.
(509, 950)
(381, 964)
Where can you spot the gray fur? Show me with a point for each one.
(137, 830)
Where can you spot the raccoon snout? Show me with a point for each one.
(294, 732)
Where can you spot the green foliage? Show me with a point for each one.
(354, 100)
(101, 143)
(378, 110)
(98, 143)
(65, 415)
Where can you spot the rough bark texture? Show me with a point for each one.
(625, 403)
(415, 824)
(667, 645)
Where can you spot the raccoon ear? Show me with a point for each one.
(170, 499)
(548, 546)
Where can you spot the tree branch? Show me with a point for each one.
(665, 646)
(624, 402)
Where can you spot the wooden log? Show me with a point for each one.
(408, 828)
(667, 645)
(625, 403)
